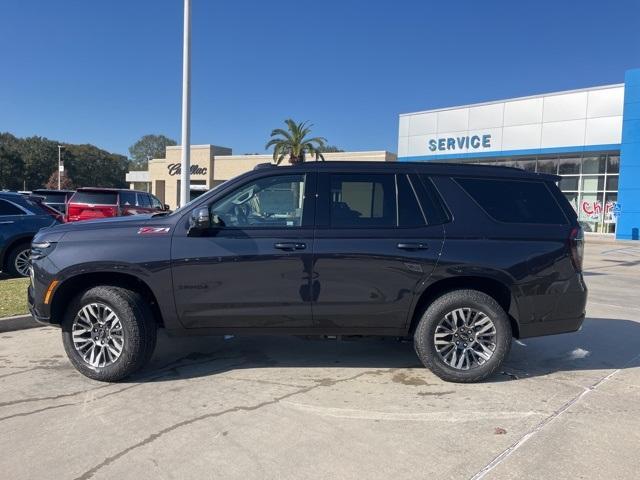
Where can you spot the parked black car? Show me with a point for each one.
(57, 199)
(461, 257)
(21, 216)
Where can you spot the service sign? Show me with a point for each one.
(459, 143)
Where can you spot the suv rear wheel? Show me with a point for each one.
(463, 336)
(18, 260)
(108, 333)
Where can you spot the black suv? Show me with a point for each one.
(461, 257)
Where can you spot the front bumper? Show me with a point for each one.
(38, 317)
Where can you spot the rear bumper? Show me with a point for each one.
(558, 308)
(551, 327)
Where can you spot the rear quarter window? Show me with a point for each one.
(515, 201)
(95, 198)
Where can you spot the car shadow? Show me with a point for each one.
(602, 344)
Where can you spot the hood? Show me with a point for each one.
(111, 222)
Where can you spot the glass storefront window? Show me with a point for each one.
(592, 183)
(569, 183)
(613, 164)
(591, 165)
(612, 182)
(528, 165)
(548, 166)
(569, 166)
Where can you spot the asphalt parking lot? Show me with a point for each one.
(267, 407)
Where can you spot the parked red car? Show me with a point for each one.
(93, 203)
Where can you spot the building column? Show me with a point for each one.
(628, 227)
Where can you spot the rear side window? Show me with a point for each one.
(362, 200)
(96, 198)
(515, 201)
(127, 199)
(7, 208)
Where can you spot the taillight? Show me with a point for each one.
(576, 246)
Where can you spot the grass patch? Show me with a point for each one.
(13, 297)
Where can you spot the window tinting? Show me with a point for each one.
(409, 213)
(7, 208)
(362, 200)
(515, 201)
(127, 199)
(143, 200)
(270, 202)
(155, 203)
(96, 198)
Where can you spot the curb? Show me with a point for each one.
(18, 322)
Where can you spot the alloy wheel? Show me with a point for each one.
(21, 262)
(98, 335)
(465, 338)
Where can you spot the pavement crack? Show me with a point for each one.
(247, 408)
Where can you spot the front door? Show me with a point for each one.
(252, 269)
(373, 249)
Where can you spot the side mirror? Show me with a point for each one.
(166, 207)
(200, 221)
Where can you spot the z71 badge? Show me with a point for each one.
(153, 230)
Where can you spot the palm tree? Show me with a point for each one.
(293, 142)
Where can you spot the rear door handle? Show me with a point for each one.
(290, 246)
(413, 246)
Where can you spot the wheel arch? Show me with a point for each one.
(72, 286)
(15, 241)
(496, 289)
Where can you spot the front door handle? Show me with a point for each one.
(412, 246)
(289, 246)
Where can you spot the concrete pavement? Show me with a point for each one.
(269, 407)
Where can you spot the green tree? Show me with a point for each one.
(149, 146)
(90, 166)
(294, 143)
(331, 149)
(39, 156)
(11, 168)
(65, 181)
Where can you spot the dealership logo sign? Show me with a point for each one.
(176, 169)
(468, 142)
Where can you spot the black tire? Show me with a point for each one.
(424, 341)
(11, 268)
(138, 326)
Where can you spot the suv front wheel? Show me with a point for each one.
(108, 333)
(463, 336)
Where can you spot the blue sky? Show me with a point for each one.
(107, 72)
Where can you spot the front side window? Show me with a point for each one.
(358, 200)
(271, 202)
(155, 203)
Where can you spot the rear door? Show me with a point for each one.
(373, 249)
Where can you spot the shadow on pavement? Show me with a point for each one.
(602, 343)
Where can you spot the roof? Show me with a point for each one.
(107, 189)
(433, 168)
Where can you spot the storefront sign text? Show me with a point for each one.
(176, 169)
(473, 142)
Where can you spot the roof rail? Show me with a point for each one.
(263, 165)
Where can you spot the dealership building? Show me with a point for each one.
(590, 137)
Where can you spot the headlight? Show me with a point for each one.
(41, 249)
